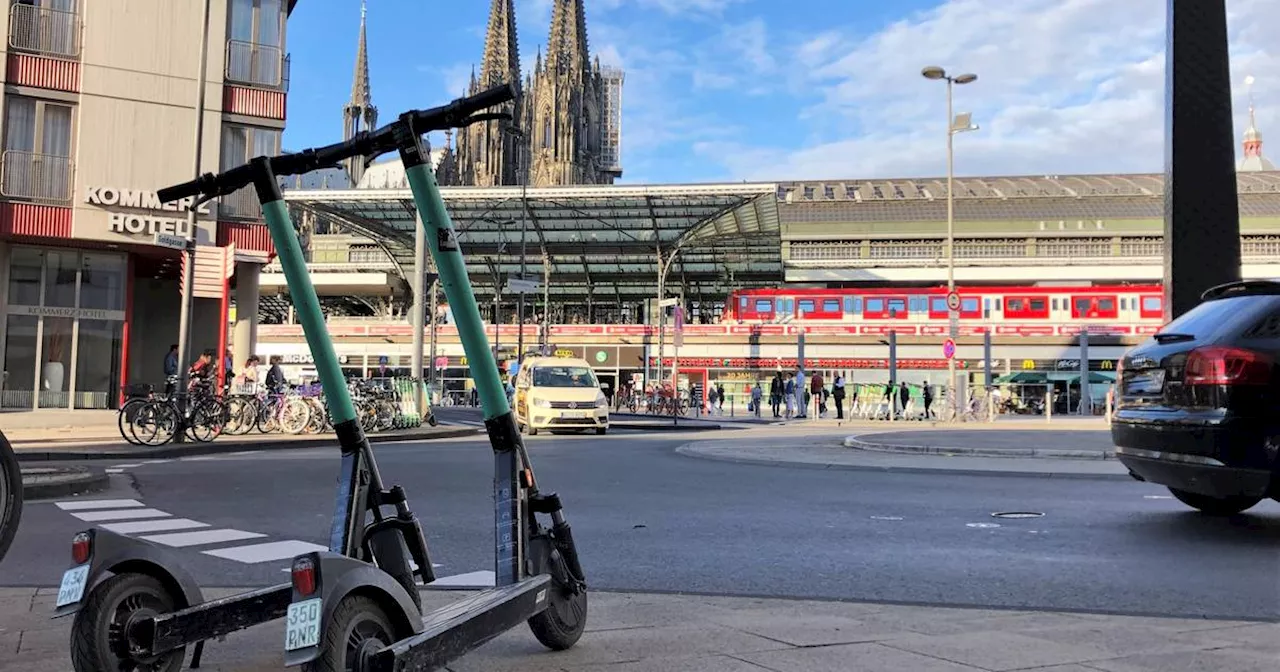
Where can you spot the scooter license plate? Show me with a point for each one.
(72, 587)
(302, 625)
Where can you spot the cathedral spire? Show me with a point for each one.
(1253, 159)
(567, 39)
(359, 114)
(501, 61)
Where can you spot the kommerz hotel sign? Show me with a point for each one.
(138, 199)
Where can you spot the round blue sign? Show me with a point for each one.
(948, 348)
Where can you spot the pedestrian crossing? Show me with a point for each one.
(133, 517)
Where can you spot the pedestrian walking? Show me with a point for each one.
(928, 400)
(757, 395)
(904, 393)
(802, 394)
(789, 395)
(775, 394)
(837, 392)
(815, 386)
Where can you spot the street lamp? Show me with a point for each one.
(955, 124)
(522, 176)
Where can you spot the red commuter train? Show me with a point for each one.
(1030, 310)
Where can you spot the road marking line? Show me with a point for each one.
(154, 526)
(157, 461)
(481, 579)
(202, 458)
(95, 516)
(275, 550)
(97, 504)
(128, 466)
(183, 539)
(114, 471)
(1157, 496)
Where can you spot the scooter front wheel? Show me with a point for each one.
(100, 638)
(560, 625)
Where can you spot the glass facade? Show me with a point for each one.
(64, 328)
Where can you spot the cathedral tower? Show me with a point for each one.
(488, 153)
(359, 114)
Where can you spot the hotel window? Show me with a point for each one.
(255, 42)
(239, 144)
(37, 150)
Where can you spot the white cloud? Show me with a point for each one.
(1065, 86)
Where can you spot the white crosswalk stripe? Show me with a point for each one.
(132, 517)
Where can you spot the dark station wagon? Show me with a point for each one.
(1198, 404)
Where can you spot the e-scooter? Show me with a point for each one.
(340, 618)
(135, 606)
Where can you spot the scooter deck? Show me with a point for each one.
(451, 631)
(214, 618)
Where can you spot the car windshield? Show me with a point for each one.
(564, 376)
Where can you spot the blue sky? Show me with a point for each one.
(727, 90)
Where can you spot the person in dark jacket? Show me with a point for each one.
(775, 394)
(904, 393)
(837, 393)
(275, 376)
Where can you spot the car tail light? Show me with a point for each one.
(81, 547)
(304, 575)
(1219, 365)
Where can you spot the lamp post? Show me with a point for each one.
(955, 124)
(522, 176)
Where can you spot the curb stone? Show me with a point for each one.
(655, 427)
(857, 443)
(218, 447)
(689, 450)
(65, 481)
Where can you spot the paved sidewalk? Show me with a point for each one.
(828, 450)
(685, 633)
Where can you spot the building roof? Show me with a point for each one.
(602, 237)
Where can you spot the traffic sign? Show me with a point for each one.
(519, 285)
(953, 301)
(949, 348)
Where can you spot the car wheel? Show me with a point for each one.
(602, 430)
(1215, 506)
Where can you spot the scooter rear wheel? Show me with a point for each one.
(100, 633)
(358, 628)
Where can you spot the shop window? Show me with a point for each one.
(37, 150)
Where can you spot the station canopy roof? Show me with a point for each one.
(606, 238)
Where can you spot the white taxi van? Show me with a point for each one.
(555, 393)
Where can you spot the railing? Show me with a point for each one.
(39, 177)
(1022, 252)
(44, 30)
(257, 65)
(242, 204)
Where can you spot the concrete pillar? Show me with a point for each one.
(1201, 214)
(244, 340)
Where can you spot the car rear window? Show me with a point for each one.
(1211, 317)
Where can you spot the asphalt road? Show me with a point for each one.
(649, 519)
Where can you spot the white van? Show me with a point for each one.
(557, 393)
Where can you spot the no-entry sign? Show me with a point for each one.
(948, 348)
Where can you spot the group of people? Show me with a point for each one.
(792, 395)
(202, 372)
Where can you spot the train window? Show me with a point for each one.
(939, 305)
(857, 304)
(1151, 303)
(1106, 304)
(969, 305)
(919, 304)
(1082, 306)
(986, 305)
(848, 305)
(1054, 303)
(1015, 305)
(830, 306)
(897, 307)
(764, 306)
(1124, 303)
(742, 303)
(806, 306)
(1038, 305)
(875, 305)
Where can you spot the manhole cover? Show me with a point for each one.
(1017, 514)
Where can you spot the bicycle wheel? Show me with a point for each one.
(124, 419)
(208, 419)
(269, 414)
(10, 495)
(294, 415)
(155, 423)
(242, 415)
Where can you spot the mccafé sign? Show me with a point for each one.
(138, 199)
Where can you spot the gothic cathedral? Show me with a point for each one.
(564, 129)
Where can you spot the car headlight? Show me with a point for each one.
(602, 401)
(542, 403)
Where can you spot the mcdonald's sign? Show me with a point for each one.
(1108, 365)
(1028, 364)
